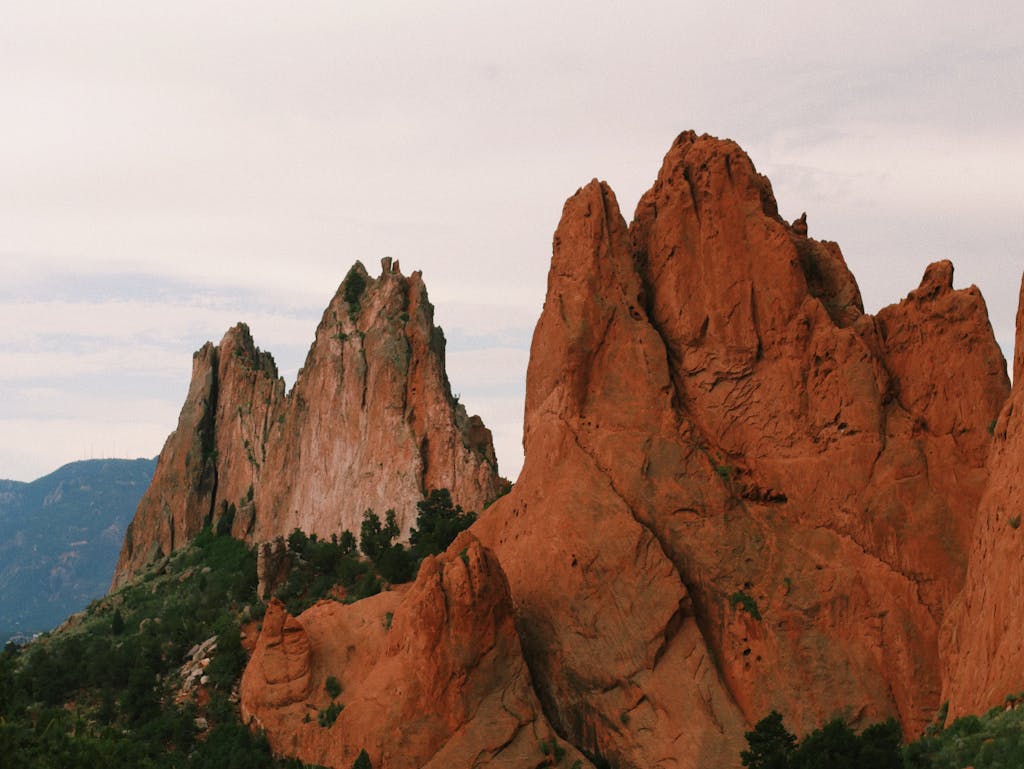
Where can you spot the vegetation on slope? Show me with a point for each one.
(112, 688)
(991, 741)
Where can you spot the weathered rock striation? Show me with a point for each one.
(431, 677)
(370, 423)
(983, 635)
(744, 492)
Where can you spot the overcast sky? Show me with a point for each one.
(168, 169)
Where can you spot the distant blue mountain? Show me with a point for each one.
(60, 537)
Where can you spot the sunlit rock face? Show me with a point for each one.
(371, 423)
(431, 676)
(983, 635)
(745, 492)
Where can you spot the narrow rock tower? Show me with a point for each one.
(371, 423)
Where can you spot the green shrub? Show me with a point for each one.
(749, 605)
(374, 538)
(769, 745)
(438, 522)
(329, 715)
(352, 290)
(835, 746)
(333, 687)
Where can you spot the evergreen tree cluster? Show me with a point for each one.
(994, 740)
(318, 566)
(833, 746)
(103, 691)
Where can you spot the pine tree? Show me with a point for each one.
(771, 745)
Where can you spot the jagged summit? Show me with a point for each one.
(761, 482)
(369, 423)
(740, 493)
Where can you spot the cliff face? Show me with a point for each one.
(370, 423)
(432, 676)
(750, 494)
(983, 636)
(740, 493)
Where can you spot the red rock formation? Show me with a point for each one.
(370, 423)
(213, 459)
(430, 677)
(740, 493)
(749, 494)
(983, 636)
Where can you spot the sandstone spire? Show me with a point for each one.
(370, 423)
(983, 635)
(737, 476)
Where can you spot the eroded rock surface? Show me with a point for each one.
(983, 636)
(740, 493)
(370, 424)
(750, 494)
(432, 676)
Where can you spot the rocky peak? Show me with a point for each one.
(371, 423)
(982, 639)
(760, 481)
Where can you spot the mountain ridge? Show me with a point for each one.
(59, 538)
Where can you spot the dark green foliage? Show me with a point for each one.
(880, 745)
(725, 472)
(226, 519)
(352, 290)
(86, 697)
(552, 750)
(229, 659)
(374, 539)
(770, 744)
(362, 761)
(333, 687)
(739, 598)
(231, 746)
(298, 542)
(347, 543)
(833, 746)
(393, 561)
(116, 623)
(396, 564)
(438, 522)
(329, 715)
(317, 566)
(994, 740)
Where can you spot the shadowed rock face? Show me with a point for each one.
(744, 492)
(740, 493)
(370, 423)
(983, 635)
(432, 676)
